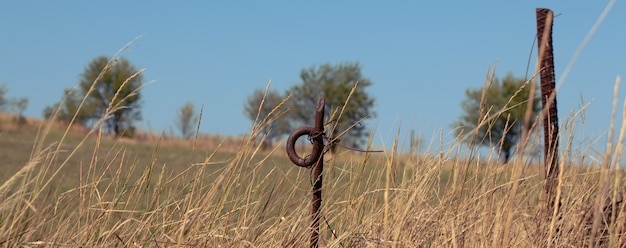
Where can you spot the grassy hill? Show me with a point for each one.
(66, 186)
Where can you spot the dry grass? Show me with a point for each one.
(91, 191)
(79, 188)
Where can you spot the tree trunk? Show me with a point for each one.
(117, 129)
(507, 155)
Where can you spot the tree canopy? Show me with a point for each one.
(335, 82)
(108, 92)
(186, 119)
(4, 102)
(3, 99)
(15, 105)
(258, 107)
(505, 104)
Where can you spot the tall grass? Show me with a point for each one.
(90, 191)
(440, 198)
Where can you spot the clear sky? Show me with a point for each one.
(420, 55)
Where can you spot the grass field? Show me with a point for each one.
(68, 187)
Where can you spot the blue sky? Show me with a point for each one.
(421, 56)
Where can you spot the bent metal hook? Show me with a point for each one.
(316, 134)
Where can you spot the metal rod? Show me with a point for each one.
(548, 101)
(315, 159)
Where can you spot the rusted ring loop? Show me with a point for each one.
(310, 159)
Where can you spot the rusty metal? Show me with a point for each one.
(548, 101)
(316, 135)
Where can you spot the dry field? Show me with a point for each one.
(68, 187)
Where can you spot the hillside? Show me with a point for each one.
(17, 143)
(85, 190)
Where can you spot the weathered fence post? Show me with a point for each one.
(316, 158)
(548, 101)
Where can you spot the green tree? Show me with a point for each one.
(258, 107)
(335, 82)
(65, 110)
(186, 119)
(110, 89)
(3, 100)
(15, 105)
(20, 106)
(505, 104)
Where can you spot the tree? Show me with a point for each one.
(110, 89)
(20, 106)
(67, 110)
(15, 105)
(335, 82)
(3, 100)
(258, 107)
(505, 104)
(186, 120)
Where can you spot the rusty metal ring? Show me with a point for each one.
(310, 159)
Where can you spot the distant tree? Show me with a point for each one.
(20, 105)
(186, 120)
(3, 99)
(258, 107)
(416, 142)
(505, 104)
(111, 90)
(67, 111)
(335, 82)
(15, 105)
